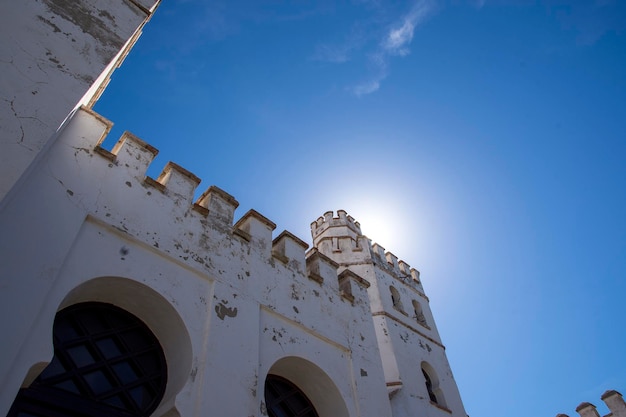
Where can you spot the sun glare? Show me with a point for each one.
(384, 225)
(406, 232)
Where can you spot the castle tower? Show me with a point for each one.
(417, 373)
(127, 297)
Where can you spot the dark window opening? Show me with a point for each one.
(429, 387)
(284, 399)
(395, 299)
(419, 314)
(106, 363)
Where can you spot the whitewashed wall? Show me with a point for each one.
(228, 302)
(404, 342)
(54, 55)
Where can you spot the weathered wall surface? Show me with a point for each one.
(52, 52)
(228, 302)
(405, 328)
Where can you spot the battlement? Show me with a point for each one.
(224, 307)
(163, 209)
(346, 278)
(399, 269)
(613, 400)
(341, 236)
(328, 220)
(219, 203)
(319, 267)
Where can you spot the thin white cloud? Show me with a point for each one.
(378, 67)
(333, 54)
(342, 52)
(366, 88)
(400, 36)
(396, 42)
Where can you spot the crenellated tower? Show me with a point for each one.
(416, 369)
(125, 295)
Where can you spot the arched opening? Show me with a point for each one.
(285, 399)
(395, 299)
(306, 382)
(149, 306)
(156, 312)
(432, 385)
(106, 362)
(419, 314)
(429, 386)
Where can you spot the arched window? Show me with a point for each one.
(395, 299)
(419, 314)
(432, 385)
(429, 386)
(106, 363)
(284, 399)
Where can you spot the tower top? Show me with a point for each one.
(327, 221)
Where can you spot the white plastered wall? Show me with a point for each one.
(85, 225)
(404, 343)
(52, 52)
(411, 344)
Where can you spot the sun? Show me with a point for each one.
(381, 223)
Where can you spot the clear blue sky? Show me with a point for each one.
(483, 142)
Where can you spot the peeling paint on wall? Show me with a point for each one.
(97, 27)
(222, 311)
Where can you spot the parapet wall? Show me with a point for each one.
(613, 400)
(85, 214)
(342, 237)
(399, 269)
(188, 228)
(328, 220)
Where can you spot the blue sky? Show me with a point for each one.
(483, 142)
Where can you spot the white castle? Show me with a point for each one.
(122, 296)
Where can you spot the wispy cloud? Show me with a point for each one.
(396, 41)
(399, 37)
(366, 88)
(338, 53)
(333, 53)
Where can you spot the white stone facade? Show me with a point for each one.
(345, 322)
(55, 55)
